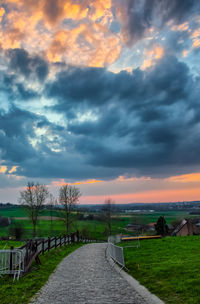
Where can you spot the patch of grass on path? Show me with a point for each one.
(168, 267)
(20, 292)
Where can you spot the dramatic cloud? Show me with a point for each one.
(94, 90)
(73, 31)
(139, 17)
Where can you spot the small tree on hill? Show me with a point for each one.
(161, 226)
(32, 199)
(107, 211)
(68, 197)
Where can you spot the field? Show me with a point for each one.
(95, 227)
(168, 267)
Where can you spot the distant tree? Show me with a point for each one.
(17, 230)
(161, 226)
(68, 197)
(32, 199)
(52, 204)
(107, 211)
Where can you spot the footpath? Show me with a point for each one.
(86, 277)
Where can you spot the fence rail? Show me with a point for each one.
(15, 261)
(115, 252)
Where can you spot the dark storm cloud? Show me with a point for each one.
(22, 62)
(97, 87)
(141, 122)
(14, 89)
(138, 16)
(15, 127)
(92, 85)
(145, 120)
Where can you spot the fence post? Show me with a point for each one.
(65, 239)
(11, 258)
(55, 242)
(77, 235)
(68, 239)
(60, 241)
(43, 246)
(49, 244)
(36, 245)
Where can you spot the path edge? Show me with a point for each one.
(35, 297)
(149, 297)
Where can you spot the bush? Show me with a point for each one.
(4, 221)
(17, 231)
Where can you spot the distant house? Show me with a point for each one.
(187, 227)
(133, 227)
(139, 227)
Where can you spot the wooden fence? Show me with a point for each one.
(33, 248)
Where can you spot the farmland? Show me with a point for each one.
(168, 267)
(95, 227)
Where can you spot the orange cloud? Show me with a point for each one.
(196, 38)
(2, 11)
(151, 56)
(63, 183)
(196, 43)
(3, 169)
(13, 169)
(181, 27)
(186, 178)
(89, 43)
(185, 53)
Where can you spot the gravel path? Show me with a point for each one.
(86, 277)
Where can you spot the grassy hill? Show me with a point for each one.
(168, 267)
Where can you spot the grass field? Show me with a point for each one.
(96, 228)
(168, 267)
(152, 217)
(21, 291)
(20, 212)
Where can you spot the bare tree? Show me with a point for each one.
(68, 197)
(33, 198)
(52, 204)
(107, 211)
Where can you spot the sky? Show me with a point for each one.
(103, 95)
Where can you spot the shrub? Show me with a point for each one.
(4, 221)
(17, 231)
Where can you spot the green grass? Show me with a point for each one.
(95, 227)
(21, 291)
(12, 212)
(20, 212)
(168, 267)
(8, 244)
